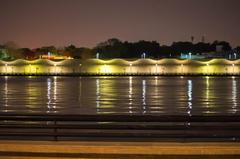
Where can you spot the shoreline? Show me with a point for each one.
(122, 74)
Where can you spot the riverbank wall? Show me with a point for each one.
(121, 67)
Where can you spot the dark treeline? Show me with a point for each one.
(115, 48)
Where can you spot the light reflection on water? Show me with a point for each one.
(234, 95)
(189, 97)
(121, 95)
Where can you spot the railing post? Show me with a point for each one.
(186, 127)
(55, 130)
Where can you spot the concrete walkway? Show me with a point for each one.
(64, 150)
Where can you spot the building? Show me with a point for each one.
(191, 56)
(54, 57)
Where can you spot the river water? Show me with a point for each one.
(121, 95)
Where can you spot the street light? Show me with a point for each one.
(190, 55)
(144, 55)
(182, 68)
(55, 68)
(156, 67)
(105, 68)
(80, 68)
(97, 56)
(6, 65)
(233, 65)
(235, 55)
(207, 68)
(30, 69)
(130, 67)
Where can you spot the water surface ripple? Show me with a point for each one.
(121, 95)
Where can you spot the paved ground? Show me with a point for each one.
(65, 150)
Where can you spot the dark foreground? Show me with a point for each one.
(55, 127)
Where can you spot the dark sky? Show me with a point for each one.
(34, 23)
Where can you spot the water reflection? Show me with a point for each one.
(80, 89)
(52, 94)
(6, 93)
(55, 89)
(49, 87)
(234, 95)
(130, 93)
(190, 90)
(98, 94)
(207, 91)
(121, 95)
(144, 96)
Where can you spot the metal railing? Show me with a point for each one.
(74, 127)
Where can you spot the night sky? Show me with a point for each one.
(35, 23)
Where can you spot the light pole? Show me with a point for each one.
(207, 68)
(97, 56)
(30, 69)
(182, 68)
(233, 66)
(105, 68)
(37, 70)
(235, 56)
(80, 68)
(190, 55)
(156, 68)
(55, 68)
(6, 66)
(130, 67)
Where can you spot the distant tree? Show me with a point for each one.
(27, 53)
(166, 51)
(237, 49)
(86, 53)
(71, 50)
(182, 47)
(151, 48)
(112, 48)
(13, 52)
(202, 47)
(225, 45)
(79, 53)
(47, 49)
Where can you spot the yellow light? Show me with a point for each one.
(105, 69)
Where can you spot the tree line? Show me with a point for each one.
(115, 48)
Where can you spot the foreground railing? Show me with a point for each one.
(142, 127)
